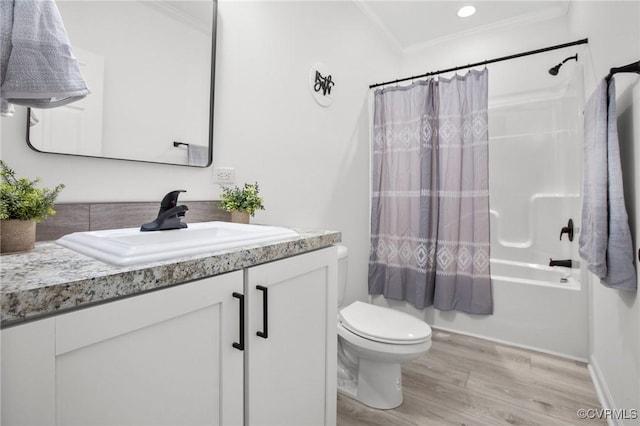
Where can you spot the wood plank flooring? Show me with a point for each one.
(464, 380)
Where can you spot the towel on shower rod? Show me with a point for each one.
(38, 67)
(605, 238)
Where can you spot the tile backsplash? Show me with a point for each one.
(80, 217)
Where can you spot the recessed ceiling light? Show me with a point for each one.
(466, 11)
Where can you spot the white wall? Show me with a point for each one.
(613, 29)
(312, 163)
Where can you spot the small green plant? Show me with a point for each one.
(245, 199)
(21, 200)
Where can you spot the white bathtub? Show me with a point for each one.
(533, 308)
(534, 274)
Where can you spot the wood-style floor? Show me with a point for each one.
(464, 380)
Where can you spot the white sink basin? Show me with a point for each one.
(130, 246)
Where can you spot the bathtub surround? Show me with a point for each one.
(38, 66)
(605, 240)
(430, 199)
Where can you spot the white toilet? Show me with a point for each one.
(373, 341)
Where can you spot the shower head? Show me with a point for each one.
(556, 69)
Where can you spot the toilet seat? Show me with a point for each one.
(383, 324)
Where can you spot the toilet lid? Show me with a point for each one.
(383, 324)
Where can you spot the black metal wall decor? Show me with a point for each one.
(321, 84)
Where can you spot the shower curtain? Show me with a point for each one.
(430, 195)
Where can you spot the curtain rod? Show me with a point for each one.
(490, 61)
(632, 67)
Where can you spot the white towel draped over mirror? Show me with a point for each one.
(38, 68)
(198, 155)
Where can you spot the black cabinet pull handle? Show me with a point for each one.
(265, 317)
(240, 345)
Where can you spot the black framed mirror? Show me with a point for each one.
(150, 66)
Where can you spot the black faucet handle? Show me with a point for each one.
(170, 200)
(567, 230)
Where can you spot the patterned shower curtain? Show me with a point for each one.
(430, 195)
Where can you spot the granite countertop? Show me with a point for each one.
(51, 279)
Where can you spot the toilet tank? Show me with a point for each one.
(342, 272)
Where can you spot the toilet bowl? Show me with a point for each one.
(373, 343)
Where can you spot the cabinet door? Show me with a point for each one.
(162, 358)
(28, 374)
(291, 372)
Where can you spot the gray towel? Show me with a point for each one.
(6, 26)
(605, 239)
(38, 67)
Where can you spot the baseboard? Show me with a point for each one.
(602, 390)
(508, 343)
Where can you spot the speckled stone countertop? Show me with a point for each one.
(51, 279)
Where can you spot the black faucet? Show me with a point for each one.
(566, 263)
(170, 214)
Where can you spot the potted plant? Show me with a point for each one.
(22, 205)
(242, 202)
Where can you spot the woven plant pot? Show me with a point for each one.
(17, 235)
(239, 216)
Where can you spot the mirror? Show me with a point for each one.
(150, 68)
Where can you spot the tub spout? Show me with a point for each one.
(565, 263)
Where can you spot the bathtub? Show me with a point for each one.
(534, 274)
(534, 308)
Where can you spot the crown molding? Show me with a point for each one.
(201, 24)
(377, 22)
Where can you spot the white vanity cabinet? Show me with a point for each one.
(175, 356)
(291, 351)
(161, 358)
(27, 368)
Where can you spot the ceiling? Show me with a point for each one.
(198, 14)
(412, 24)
